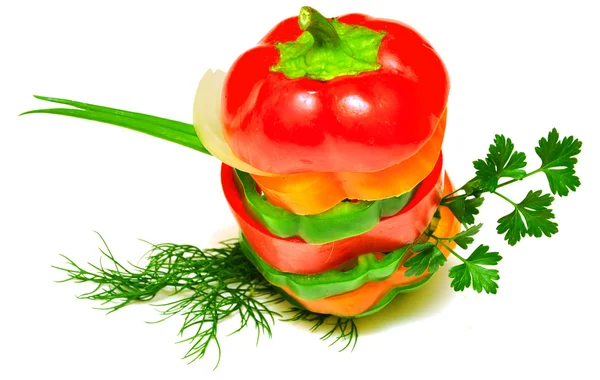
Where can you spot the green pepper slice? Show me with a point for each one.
(344, 220)
(331, 282)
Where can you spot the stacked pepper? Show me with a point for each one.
(330, 131)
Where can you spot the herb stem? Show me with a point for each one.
(505, 198)
(450, 195)
(520, 179)
(441, 241)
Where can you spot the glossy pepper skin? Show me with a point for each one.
(296, 256)
(352, 123)
(314, 193)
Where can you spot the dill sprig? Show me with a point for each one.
(207, 286)
(340, 329)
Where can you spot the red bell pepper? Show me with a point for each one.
(291, 106)
(296, 256)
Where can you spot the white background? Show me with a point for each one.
(517, 69)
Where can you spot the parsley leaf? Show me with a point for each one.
(464, 238)
(464, 209)
(472, 272)
(429, 258)
(530, 217)
(501, 161)
(558, 162)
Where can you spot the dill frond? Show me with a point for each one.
(206, 286)
(340, 329)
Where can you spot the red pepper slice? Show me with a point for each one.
(352, 123)
(294, 255)
(373, 296)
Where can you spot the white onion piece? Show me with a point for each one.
(207, 122)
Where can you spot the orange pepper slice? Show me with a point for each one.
(362, 299)
(314, 193)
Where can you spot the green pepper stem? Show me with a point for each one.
(328, 49)
(319, 27)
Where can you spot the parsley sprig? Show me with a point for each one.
(472, 272)
(532, 216)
